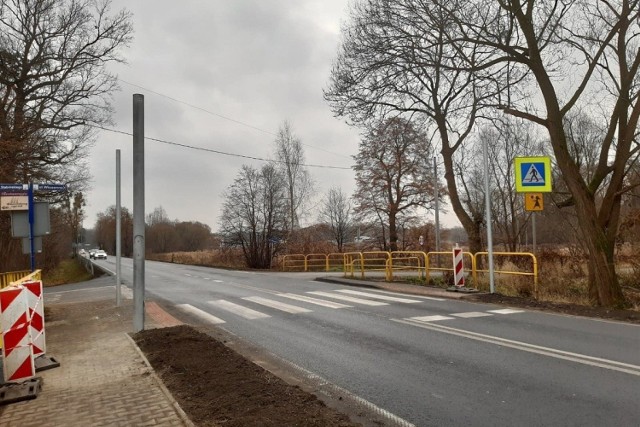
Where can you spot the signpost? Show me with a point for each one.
(30, 188)
(533, 177)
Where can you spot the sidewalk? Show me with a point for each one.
(103, 379)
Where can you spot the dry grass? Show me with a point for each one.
(68, 271)
(228, 258)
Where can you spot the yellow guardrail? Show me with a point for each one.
(398, 261)
(407, 261)
(315, 262)
(15, 277)
(296, 262)
(534, 267)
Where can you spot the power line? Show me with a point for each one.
(223, 117)
(210, 150)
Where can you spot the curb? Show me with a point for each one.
(176, 406)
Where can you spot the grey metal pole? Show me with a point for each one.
(118, 231)
(437, 213)
(487, 203)
(138, 212)
(533, 230)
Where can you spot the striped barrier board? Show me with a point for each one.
(36, 315)
(458, 267)
(17, 351)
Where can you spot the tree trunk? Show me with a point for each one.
(471, 225)
(393, 232)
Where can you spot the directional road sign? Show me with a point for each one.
(50, 187)
(533, 174)
(12, 187)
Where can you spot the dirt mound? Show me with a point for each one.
(216, 386)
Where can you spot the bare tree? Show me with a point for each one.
(105, 231)
(394, 59)
(254, 215)
(594, 43)
(54, 85)
(290, 157)
(336, 211)
(392, 173)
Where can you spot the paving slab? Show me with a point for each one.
(103, 379)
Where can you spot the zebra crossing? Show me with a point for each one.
(335, 299)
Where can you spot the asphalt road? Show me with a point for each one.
(424, 361)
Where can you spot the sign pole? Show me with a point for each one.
(118, 231)
(533, 230)
(487, 204)
(31, 220)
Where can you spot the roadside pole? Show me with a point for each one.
(31, 221)
(138, 212)
(487, 203)
(118, 231)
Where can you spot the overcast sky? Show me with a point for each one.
(259, 62)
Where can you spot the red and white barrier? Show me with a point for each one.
(36, 315)
(458, 267)
(17, 351)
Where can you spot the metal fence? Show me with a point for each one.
(15, 277)
(393, 264)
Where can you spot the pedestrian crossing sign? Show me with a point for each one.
(533, 174)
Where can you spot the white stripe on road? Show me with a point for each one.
(201, 314)
(375, 296)
(277, 305)
(346, 298)
(531, 348)
(430, 318)
(316, 301)
(470, 314)
(411, 295)
(247, 313)
(506, 311)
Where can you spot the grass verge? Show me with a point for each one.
(68, 271)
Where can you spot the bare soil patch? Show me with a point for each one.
(216, 386)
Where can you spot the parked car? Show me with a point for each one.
(100, 254)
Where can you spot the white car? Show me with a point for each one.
(100, 254)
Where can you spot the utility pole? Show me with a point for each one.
(138, 212)
(118, 231)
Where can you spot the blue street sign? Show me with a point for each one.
(50, 187)
(13, 187)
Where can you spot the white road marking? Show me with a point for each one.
(506, 311)
(277, 305)
(321, 302)
(207, 317)
(217, 281)
(247, 313)
(374, 296)
(430, 318)
(531, 348)
(347, 298)
(410, 295)
(470, 314)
